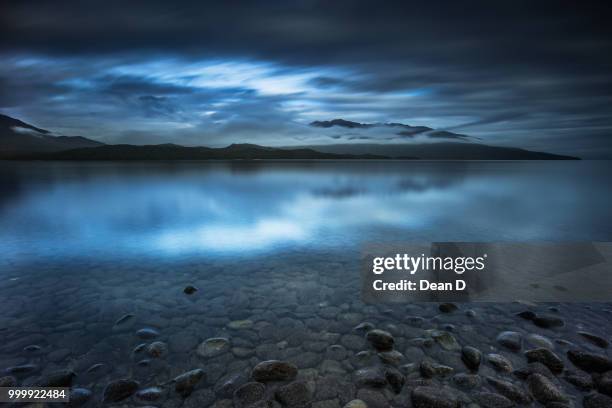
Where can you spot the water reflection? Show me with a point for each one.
(55, 209)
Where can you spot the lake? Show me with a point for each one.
(273, 249)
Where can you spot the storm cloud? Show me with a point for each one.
(528, 74)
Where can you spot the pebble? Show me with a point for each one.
(240, 324)
(540, 341)
(79, 396)
(147, 333)
(295, 394)
(467, 381)
(471, 357)
(392, 357)
(363, 327)
(227, 385)
(248, 394)
(149, 394)
(589, 362)
(395, 379)
(509, 390)
(527, 315)
(446, 340)
(59, 378)
(548, 321)
(274, 370)
(433, 397)
(22, 369)
(510, 340)
(8, 381)
(123, 319)
(531, 368)
(546, 357)
(491, 400)
(157, 349)
(604, 383)
(32, 348)
(370, 377)
(544, 390)
(579, 379)
(499, 362)
(596, 340)
(186, 382)
(356, 403)
(190, 290)
(597, 400)
(447, 307)
(381, 340)
(430, 369)
(213, 347)
(119, 390)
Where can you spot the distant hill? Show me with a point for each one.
(176, 152)
(442, 151)
(17, 137)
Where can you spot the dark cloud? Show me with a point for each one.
(522, 73)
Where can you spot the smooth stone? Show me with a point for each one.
(22, 369)
(446, 340)
(589, 362)
(471, 357)
(240, 324)
(363, 327)
(227, 385)
(352, 342)
(499, 362)
(79, 396)
(597, 400)
(147, 333)
(8, 381)
(157, 349)
(604, 383)
(510, 339)
(370, 377)
(430, 369)
(274, 370)
(373, 398)
(467, 381)
(511, 391)
(190, 290)
(433, 397)
(248, 394)
(213, 347)
(540, 341)
(381, 340)
(186, 382)
(527, 315)
(491, 400)
(392, 357)
(95, 367)
(58, 356)
(546, 357)
(544, 390)
(124, 319)
(59, 378)
(149, 394)
(579, 379)
(242, 352)
(533, 368)
(595, 339)
(336, 352)
(119, 390)
(548, 321)
(139, 348)
(295, 394)
(32, 348)
(356, 403)
(395, 379)
(447, 307)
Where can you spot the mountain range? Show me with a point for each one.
(20, 140)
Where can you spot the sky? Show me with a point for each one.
(536, 75)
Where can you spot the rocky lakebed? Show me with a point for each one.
(227, 334)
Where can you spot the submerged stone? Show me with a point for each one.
(213, 347)
(186, 382)
(119, 390)
(381, 340)
(274, 370)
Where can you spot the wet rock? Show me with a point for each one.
(527, 315)
(579, 380)
(604, 383)
(499, 362)
(79, 397)
(432, 397)
(380, 340)
(467, 381)
(507, 389)
(307, 359)
(124, 319)
(540, 341)
(589, 362)
(119, 390)
(511, 340)
(8, 381)
(370, 377)
(139, 348)
(430, 369)
(596, 340)
(149, 394)
(491, 400)
(147, 333)
(199, 398)
(544, 390)
(446, 340)
(447, 307)
(546, 357)
(157, 349)
(274, 370)
(242, 352)
(22, 369)
(57, 356)
(240, 324)
(213, 347)
(186, 382)
(363, 327)
(190, 290)
(533, 368)
(395, 379)
(248, 394)
(32, 348)
(336, 352)
(471, 357)
(596, 400)
(392, 357)
(95, 367)
(356, 403)
(548, 321)
(352, 342)
(295, 394)
(373, 398)
(227, 385)
(59, 378)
